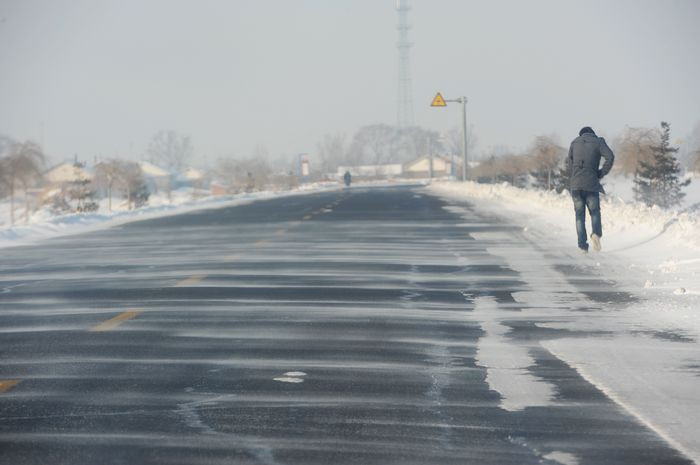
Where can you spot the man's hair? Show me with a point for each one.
(586, 130)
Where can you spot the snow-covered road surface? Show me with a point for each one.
(376, 325)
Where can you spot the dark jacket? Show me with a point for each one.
(584, 160)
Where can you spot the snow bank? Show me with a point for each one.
(629, 221)
(44, 225)
(659, 249)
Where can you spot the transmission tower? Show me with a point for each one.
(404, 110)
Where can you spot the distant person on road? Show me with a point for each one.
(583, 164)
(347, 177)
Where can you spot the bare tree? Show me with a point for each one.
(22, 167)
(171, 150)
(545, 156)
(107, 174)
(124, 175)
(689, 148)
(416, 141)
(244, 175)
(284, 179)
(487, 169)
(130, 179)
(374, 144)
(693, 150)
(453, 141)
(225, 172)
(695, 162)
(380, 143)
(5, 145)
(257, 173)
(515, 168)
(634, 145)
(508, 167)
(331, 152)
(284, 171)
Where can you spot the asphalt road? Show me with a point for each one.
(333, 328)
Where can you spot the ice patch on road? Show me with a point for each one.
(562, 457)
(456, 210)
(507, 363)
(294, 377)
(288, 379)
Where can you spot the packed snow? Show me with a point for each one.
(647, 354)
(507, 364)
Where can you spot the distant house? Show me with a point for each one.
(219, 189)
(157, 179)
(420, 167)
(69, 188)
(67, 172)
(194, 179)
(194, 175)
(371, 171)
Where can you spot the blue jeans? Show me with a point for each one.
(583, 199)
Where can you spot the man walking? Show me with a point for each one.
(583, 164)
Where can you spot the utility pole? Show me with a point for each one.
(430, 158)
(465, 145)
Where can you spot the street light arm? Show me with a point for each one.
(463, 101)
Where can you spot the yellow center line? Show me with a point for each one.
(281, 231)
(262, 241)
(294, 224)
(191, 280)
(308, 217)
(116, 321)
(7, 384)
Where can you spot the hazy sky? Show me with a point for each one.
(101, 77)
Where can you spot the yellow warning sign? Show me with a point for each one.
(438, 101)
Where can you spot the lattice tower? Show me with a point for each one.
(404, 109)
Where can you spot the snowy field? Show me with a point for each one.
(649, 359)
(43, 224)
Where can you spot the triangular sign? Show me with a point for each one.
(438, 101)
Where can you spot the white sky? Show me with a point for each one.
(97, 77)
